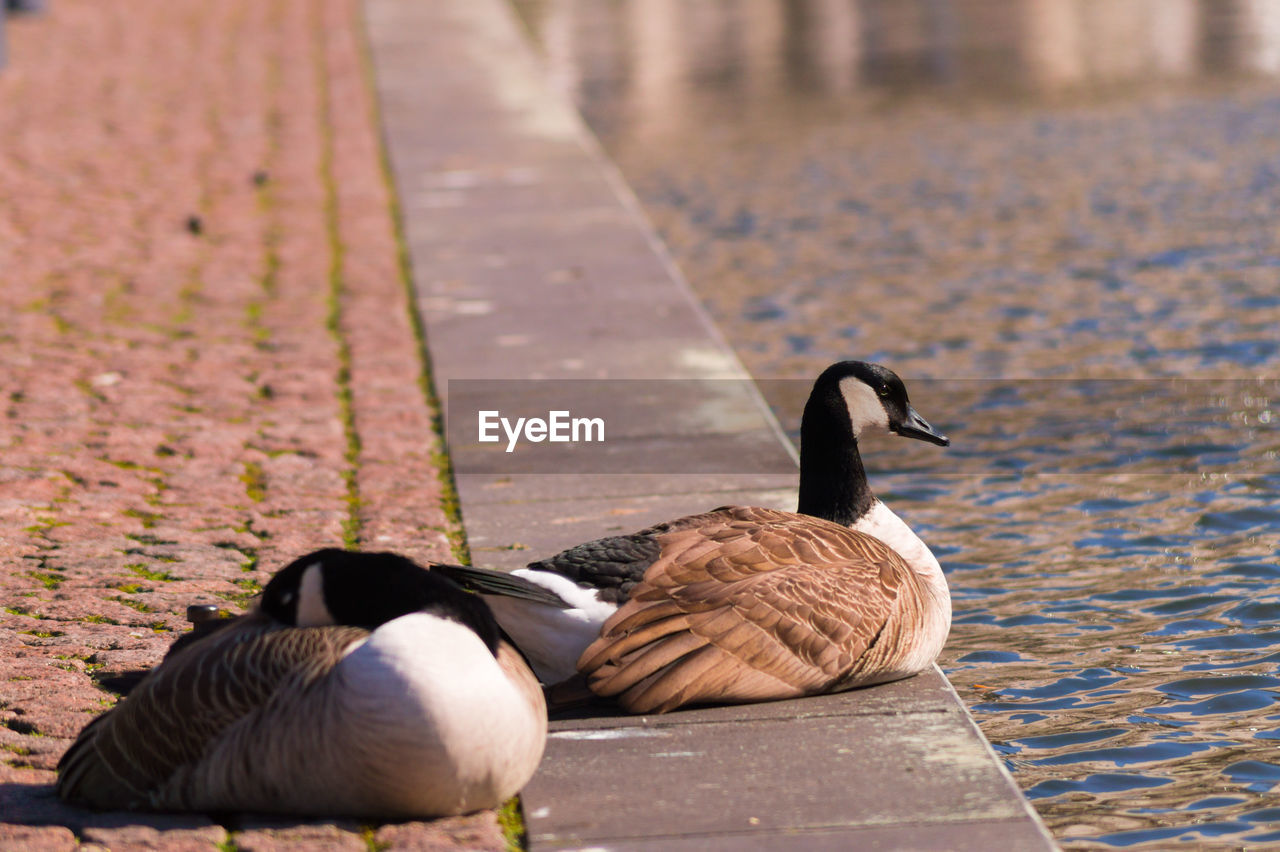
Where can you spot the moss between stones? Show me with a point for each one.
(255, 481)
(351, 525)
(148, 574)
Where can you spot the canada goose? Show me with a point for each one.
(361, 685)
(748, 604)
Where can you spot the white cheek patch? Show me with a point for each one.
(311, 610)
(865, 408)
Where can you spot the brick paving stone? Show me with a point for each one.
(125, 838)
(37, 838)
(198, 262)
(476, 831)
(27, 795)
(268, 835)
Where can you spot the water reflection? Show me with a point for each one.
(651, 62)
(1056, 219)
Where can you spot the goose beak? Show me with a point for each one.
(915, 426)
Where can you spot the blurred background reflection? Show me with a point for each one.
(1057, 219)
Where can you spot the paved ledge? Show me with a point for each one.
(531, 260)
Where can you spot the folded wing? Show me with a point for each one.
(123, 758)
(751, 606)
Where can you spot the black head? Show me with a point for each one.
(367, 590)
(847, 398)
(873, 397)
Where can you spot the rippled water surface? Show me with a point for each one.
(1058, 219)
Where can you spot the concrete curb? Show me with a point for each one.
(532, 261)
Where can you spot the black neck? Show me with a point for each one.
(833, 482)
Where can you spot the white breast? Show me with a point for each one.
(882, 523)
(432, 702)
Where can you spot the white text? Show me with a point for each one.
(559, 428)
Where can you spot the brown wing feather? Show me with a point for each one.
(750, 604)
(170, 718)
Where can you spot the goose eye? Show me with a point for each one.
(882, 392)
(286, 598)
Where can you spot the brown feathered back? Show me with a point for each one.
(750, 604)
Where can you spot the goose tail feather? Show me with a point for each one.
(486, 581)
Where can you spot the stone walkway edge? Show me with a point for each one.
(532, 260)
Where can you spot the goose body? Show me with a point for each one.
(745, 603)
(363, 685)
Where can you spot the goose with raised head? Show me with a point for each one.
(362, 685)
(747, 604)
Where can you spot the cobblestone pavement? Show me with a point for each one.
(207, 365)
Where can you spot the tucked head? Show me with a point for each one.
(367, 590)
(874, 397)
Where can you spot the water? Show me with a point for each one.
(1058, 220)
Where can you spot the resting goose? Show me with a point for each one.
(747, 604)
(361, 685)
